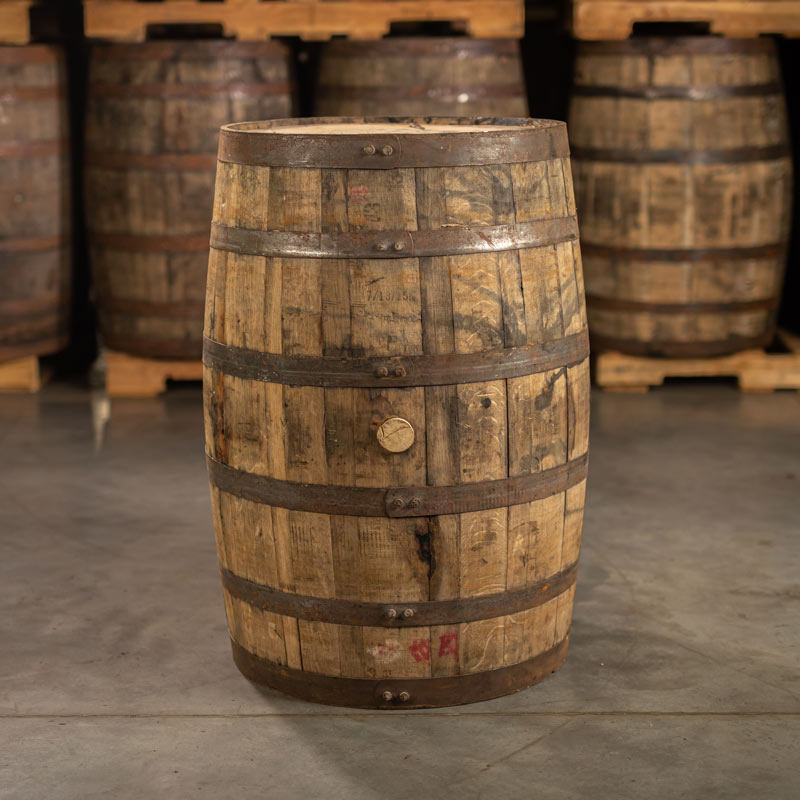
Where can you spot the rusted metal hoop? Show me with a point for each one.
(673, 349)
(678, 92)
(636, 306)
(394, 244)
(433, 612)
(731, 155)
(386, 694)
(681, 254)
(142, 243)
(195, 91)
(395, 371)
(415, 501)
(529, 140)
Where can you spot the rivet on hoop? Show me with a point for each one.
(391, 613)
(381, 246)
(368, 149)
(387, 150)
(397, 503)
(414, 502)
(408, 613)
(404, 697)
(387, 696)
(400, 372)
(399, 246)
(382, 372)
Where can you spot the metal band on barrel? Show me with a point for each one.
(33, 149)
(148, 308)
(635, 306)
(414, 501)
(678, 92)
(34, 243)
(261, 144)
(729, 155)
(400, 693)
(399, 614)
(394, 244)
(152, 348)
(675, 45)
(194, 91)
(141, 243)
(205, 162)
(680, 254)
(674, 349)
(395, 371)
(451, 94)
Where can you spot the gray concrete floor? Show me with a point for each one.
(683, 679)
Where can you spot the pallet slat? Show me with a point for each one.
(15, 26)
(131, 376)
(22, 375)
(614, 19)
(756, 370)
(127, 20)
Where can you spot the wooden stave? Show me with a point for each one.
(499, 95)
(732, 327)
(235, 611)
(183, 249)
(34, 238)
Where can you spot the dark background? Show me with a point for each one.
(547, 53)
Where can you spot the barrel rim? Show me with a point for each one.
(415, 45)
(527, 140)
(678, 45)
(185, 49)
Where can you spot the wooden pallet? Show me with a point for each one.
(757, 370)
(22, 375)
(131, 376)
(614, 19)
(15, 21)
(127, 20)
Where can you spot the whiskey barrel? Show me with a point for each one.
(154, 115)
(396, 405)
(421, 76)
(683, 183)
(35, 224)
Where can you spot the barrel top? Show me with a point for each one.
(392, 142)
(186, 50)
(675, 45)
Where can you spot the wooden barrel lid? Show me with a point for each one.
(392, 142)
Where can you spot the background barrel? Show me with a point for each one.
(154, 115)
(396, 405)
(421, 76)
(683, 184)
(35, 259)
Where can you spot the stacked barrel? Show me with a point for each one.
(683, 184)
(35, 260)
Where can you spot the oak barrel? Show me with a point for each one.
(35, 223)
(683, 183)
(396, 405)
(421, 76)
(154, 115)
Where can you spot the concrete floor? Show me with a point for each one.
(683, 679)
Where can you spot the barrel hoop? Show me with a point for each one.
(32, 149)
(449, 94)
(10, 350)
(179, 309)
(678, 45)
(680, 254)
(189, 50)
(17, 310)
(400, 693)
(729, 155)
(204, 162)
(689, 307)
(191, 91)
(673, 349)
(31, 54)
(179, 349)
(398, 614)
(416, 501)
(448, 46)
(33, 243)
(25, 93)
(679, 92)
(394, 244)
(141, 243)
(533, 140)
(443, 369)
